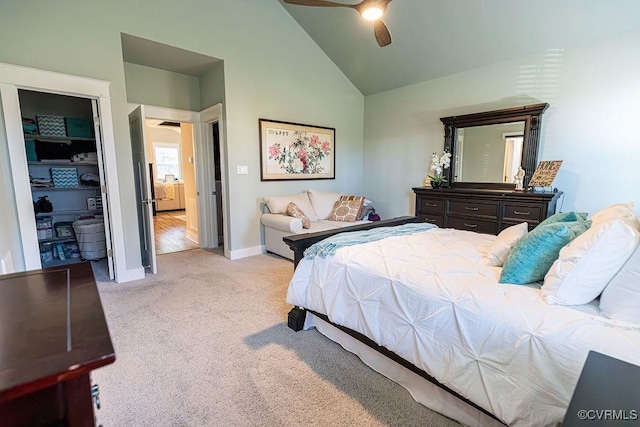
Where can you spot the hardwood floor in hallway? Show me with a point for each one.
(170, 229)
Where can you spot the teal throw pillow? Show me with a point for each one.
(533, 255)
(565, 217)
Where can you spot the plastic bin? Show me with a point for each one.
(91, 239)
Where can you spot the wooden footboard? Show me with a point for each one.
(299, 242)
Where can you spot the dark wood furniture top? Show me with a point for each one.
(483, 210)
(529, 114)
(606, 393)
(53, 334)
(299, 242)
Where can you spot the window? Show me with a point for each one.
(167, 159)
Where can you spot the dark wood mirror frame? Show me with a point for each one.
(529, 114)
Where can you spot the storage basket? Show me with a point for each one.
(91, 238)
(64, 177)
(49, 125)
(82, 128)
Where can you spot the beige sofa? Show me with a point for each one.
(317, 205)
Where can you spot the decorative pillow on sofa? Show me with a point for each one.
(500, 248)
(533, 255)
(279, 204)
(347, 209)
(620, 300)
(294, 211)
(589, 262)
(323, 202)
(564, 217)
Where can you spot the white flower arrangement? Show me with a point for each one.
(438, 165)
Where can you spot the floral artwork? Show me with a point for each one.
(292, 151)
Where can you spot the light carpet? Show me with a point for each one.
(205, 343)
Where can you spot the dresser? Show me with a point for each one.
(483, 210)
(53, 333)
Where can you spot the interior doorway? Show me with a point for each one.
(172, 171)
(178, 163)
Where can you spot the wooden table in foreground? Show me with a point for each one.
(52, 335)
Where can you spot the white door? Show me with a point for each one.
(143, 189)
(103, 185)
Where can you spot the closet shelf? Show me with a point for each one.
(51, 138)
(54, 163)
(71, 212)
(80, 187)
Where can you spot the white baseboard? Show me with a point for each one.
(243, 253)
(130, 275)
(193, 236)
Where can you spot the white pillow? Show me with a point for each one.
(620, 300)
(589, 262)
(323, 202)
(617, 211)
(502, 245)
(279, 204)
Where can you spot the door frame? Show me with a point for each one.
(203, 152)
(14, 77)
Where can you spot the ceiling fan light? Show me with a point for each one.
(372, 13)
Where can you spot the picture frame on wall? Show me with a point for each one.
(294, 151)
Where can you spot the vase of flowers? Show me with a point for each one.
(437, 167)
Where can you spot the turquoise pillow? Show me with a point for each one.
(565, 217)
(533, 255)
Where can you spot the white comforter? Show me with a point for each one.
(429, 298)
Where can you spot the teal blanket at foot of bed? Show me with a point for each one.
(330, 245)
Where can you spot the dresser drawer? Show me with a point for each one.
(522, 213)
(473, 208)
(477, 225)
(433, 219)
(431, 205)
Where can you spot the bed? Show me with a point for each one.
(473, 349)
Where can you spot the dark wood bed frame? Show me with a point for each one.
(298, 243)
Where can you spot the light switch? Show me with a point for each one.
(242, 169)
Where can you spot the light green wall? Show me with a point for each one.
(272, 70)
(212, 86)
(151, 86)
(591, 122)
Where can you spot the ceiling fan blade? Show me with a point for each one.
(321, 3)
(383, 36)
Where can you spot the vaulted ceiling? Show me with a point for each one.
(435, 38)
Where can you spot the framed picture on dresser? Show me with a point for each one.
(294, 151)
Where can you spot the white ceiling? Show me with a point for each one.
(435, 38)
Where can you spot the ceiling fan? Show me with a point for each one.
(372, 10)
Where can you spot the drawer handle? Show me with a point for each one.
(521, 213)
(432, 205)
(470, 209)
(470, 225)
(430, 219)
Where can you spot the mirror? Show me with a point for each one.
(487, 148)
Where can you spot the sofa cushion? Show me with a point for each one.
(323, 202)
(347, 209)
(294, 211)
(279, 204)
